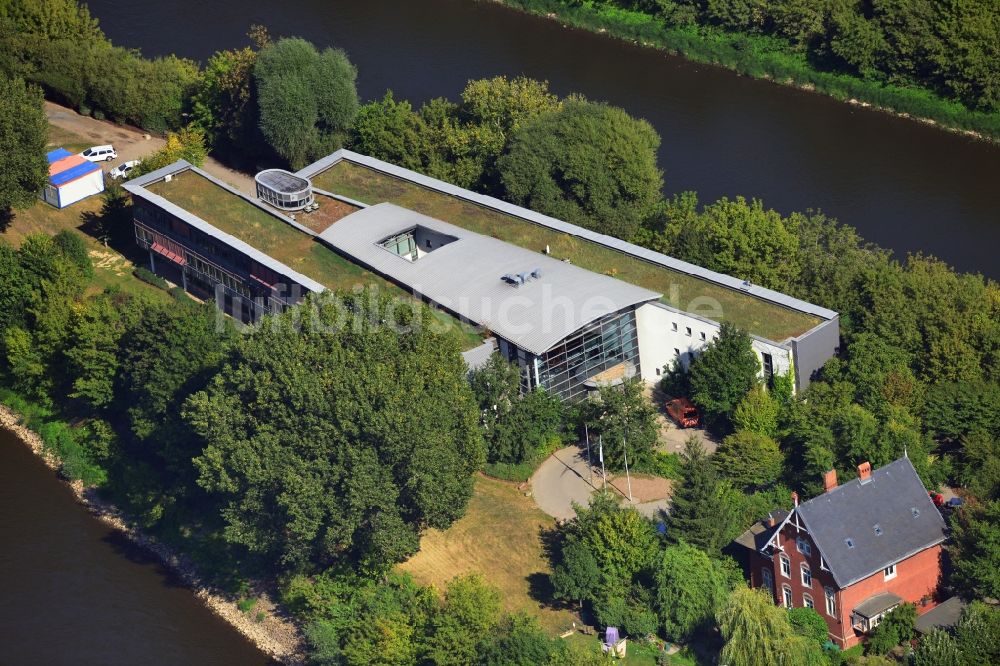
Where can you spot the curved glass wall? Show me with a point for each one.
(283, 190)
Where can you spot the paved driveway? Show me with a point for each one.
(565, 478)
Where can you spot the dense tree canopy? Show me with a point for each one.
(690, 587)
(306, 98)
(698, 514)
(588, 163)
(23, 135)
(351, 435)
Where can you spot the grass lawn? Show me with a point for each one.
(499, 537)
(680, 290)
(270, 234)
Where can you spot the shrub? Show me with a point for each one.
(150, 277)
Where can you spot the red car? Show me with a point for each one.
(684, 413)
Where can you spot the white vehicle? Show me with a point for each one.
(100, 153)
(123, 170)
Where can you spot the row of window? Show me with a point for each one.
(805, 571)
(787, 597)
(688, 332)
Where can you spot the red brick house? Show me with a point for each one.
(853, 553)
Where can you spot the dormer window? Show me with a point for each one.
(849, 543)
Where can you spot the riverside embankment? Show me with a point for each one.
(80, 585)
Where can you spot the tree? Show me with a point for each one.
(602, 550)
(689, 589)
(517, 640)
(938, 648)
(588, 163)
(514, 426)
(749, 459)
(23, 135)
(624, 418)
(757, 412)
(306, 98)
(806, 622)
(331, 436)
(697, 514)
(758, 633)
(576, 576)
(736, 237)
(978, 634)
(897, 626)
(392, 131)
(723, 374)
(470, 611)
(976, 549)
(185, 144)
(222, 104)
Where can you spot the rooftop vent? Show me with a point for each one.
(878, 529)
(849, 543)
(517, 279)
(915, 511)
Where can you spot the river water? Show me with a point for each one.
(73, 591)
(904, 185)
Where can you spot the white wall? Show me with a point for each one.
(660, 344)
(81, 188)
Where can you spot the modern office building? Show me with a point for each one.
(575, 309)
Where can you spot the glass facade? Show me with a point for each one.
(565, 369)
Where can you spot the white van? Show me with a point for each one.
(100, 153)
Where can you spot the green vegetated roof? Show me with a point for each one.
(763, 318)
(273, 236)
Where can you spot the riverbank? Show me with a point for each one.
(765, 58)
(275, 635)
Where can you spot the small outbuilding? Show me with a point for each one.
(71, 178)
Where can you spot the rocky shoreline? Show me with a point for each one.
(275, 635)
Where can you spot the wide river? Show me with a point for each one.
(904, 185)
(73, 591)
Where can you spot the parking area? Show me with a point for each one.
(130, 143)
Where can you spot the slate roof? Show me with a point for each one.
(861, 528)
(760, 533)
(465, 276)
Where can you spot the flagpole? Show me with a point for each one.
(590, 464)
(627, 477)
(604, 474)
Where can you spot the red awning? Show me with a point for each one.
(176, 258)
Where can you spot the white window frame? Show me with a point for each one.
(767, 579)
(807, 601)
(805, 573)
(802, 545)
(786, 566)
(831, 601)
(787, 599)
(889, 572)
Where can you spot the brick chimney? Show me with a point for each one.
(795, 498)
(829, 480)
(771, 520)
(864, 471)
